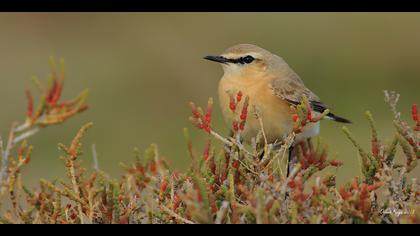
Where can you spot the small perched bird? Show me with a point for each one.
(272, 86)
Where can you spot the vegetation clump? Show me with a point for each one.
(238, 184)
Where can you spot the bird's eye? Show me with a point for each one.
(248, 59)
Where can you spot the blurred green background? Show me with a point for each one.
(142, 69)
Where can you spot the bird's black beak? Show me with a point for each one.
(219, 59)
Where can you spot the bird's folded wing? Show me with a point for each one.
(292, 89)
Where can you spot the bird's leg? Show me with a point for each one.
(290, 165)
(291, 160)
(309, 142)
(260, 150)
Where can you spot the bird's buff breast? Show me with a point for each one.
(275, 113)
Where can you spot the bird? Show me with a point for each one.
(273, 88)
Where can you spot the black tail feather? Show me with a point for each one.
(338, 118)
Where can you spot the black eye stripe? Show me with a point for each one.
(242, 60)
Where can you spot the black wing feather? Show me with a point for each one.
(320, 107)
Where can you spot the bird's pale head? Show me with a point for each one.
(246, 59)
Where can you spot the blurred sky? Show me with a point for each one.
(142, 69)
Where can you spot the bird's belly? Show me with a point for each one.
(274, 112)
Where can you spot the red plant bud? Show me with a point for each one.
(232, 107)
(83, 108)
(235, 164)
(299, 182)
(303, 163)
(27, 160)
(235, 126)
(73, 216)
(209, 111)
(238, 96)
(242, 125)
(344, 194)
(310, 115)
(207, 117)
(414, 113)
(310, 157)
(325, 218)
(355, 184)
(214, 208)
(363, 188)
(163, 186)
(57, 93)
(194, 111)
(375, 147)
(308, 107)
(177, 202)
(153, 167)
(295, 117)
(121, 197)
(73, 153)
(51, 93)
(207, 128)
(140, 168)
(123, 220)
(304, 196)
(363, 197)
(20, 151)
(336, 163)
(206, 150)
(291, 184)
(212, 166)
(30, 107)
(232, 103)
(244, 113)
(374, 186)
